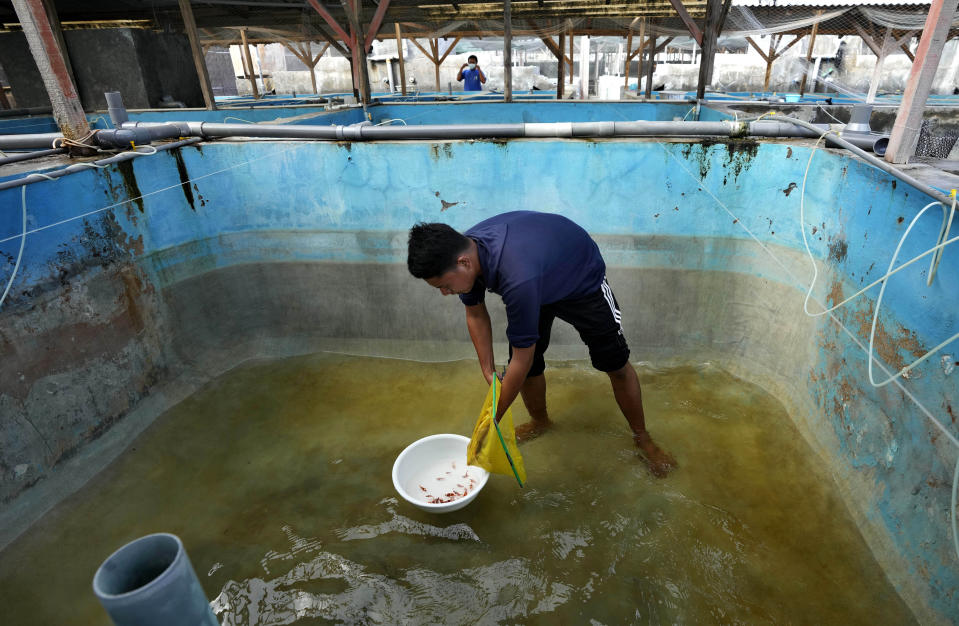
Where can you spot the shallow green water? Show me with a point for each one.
(277, 477)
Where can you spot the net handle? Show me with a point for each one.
(501, 440)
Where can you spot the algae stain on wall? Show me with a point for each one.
(740, 154)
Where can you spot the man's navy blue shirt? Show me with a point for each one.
(532, 259)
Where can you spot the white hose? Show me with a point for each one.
(936, 250)
(943, 233)
(23, 239)
(955, 487)
(23, 202)
(875, 316)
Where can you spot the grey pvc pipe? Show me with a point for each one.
(873, 160)
(337, 133)
(118, 112)
(26, 111)
(124, 138)
(151, 582)
(28, 142)
(79, 167)
(26, 156)
(782, 126)
(142, 131)
(360, 132)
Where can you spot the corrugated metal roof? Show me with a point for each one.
(832, 4)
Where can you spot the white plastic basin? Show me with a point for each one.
(432, 468)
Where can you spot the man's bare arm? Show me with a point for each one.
(515, 377)
(481, 332)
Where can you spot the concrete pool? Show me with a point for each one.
(229, 251)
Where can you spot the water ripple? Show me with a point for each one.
(402, 524)
(500, 592)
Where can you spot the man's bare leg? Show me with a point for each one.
(534, 397)
(629, 396)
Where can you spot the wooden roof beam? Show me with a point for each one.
(688, 21)
(337, 29)
(376, 23)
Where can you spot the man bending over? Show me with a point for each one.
(544, 266)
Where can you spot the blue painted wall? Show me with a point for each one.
(615, 187)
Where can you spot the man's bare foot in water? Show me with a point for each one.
(532, 429)
(660, 462)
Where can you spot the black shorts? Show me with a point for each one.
(596, 318)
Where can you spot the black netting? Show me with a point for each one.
(935, 141)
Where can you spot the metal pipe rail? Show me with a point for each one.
(144, 132)
(79, 167)
(140, 133)
(26, 156)
(366, 132)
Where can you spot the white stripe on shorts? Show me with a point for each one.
(608, 294)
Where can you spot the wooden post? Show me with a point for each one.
(559, 51)
(584, 67)
(189, 24)
(507, 51)
(249, 62)
(436, 57)
(243, 66)
(653, 51)
(629, 50)
(54, 20)
(649, 68)
(887, 43)
(905, 131)
(631, 54)
(305, 55)
(399, 52)
(812, 43)
(435, 47)
(714, 9)
(449, 49)
(773, 40)
(260, 55)
(313, 64)
(356, 40)
(561, 68)
(571, 59)
(643, 40)
(50, 58)
(773, 54)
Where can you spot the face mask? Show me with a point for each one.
(472, 66)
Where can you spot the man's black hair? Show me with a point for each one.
(472, 56)
(433, 249)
